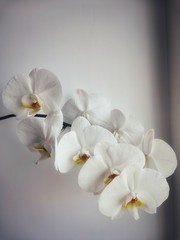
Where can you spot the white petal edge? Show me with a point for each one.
(54, 124)
(81, 99)
(31, 130)
(147, 141)
(92, 174)
(78, 125)
(70, 111)
(17, 87)
(164, 157)
(68, 148)
(96, 134)
(112, 198)
(48, 87)
(135, 130)
(118, 119)
(123, 154)
(151, 186)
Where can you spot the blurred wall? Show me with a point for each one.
(174, 76)
(115, 48)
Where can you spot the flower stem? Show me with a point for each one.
(7, 116)
(65, 125)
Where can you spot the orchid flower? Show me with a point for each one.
(127, 168)
(107, 163)
(135, 188)
(159, 155)
(77, 146)
(125, 128)
(40, 135)
(27, 95)
(91, 106)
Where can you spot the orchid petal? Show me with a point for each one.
(47, 86)
(112, 198)
(99, 110)
(54, 124)
(78, 125)
(151, 186)
(56, 154)
(91, 106)
(123, 155)
(97, 102)
(70, 111)
(135, 130)
(63, 132)
(150, 162)
(22, 113)
(31, 130)
(45, 149)
(148, 141)
(17, 87)
(98, 117)
(81, 99)
(118, 119)
(149, 210)
(102, 149)
(164, 157)
(96, 134)
(134, 212)
(68, 148)
(91, 175)
(38, 136)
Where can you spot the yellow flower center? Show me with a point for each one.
(135, 202)
(31, 101)
(80, 159)
(110, 178)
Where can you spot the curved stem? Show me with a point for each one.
(65, 125)
(7, 116)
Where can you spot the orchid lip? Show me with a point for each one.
(31, 101)
(115, 133)
(84, 114)
(81, 157)
(110, 178)
(42, 150)
(134, 202)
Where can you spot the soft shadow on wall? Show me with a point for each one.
(173, 36)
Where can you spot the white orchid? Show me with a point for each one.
(116, 159)
(77, 146)
(91, 106)
(125, 128)
(107, 163)
(27, 95)
(159, 155)
(40, 135)
(135, 188)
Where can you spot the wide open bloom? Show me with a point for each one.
(135, 188)
(77, 146)
(91, 106)
(125, 128)
(159, 155)
(107, 163)
(40, 135)
(27, 95)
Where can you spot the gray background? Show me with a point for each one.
(126, 50)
